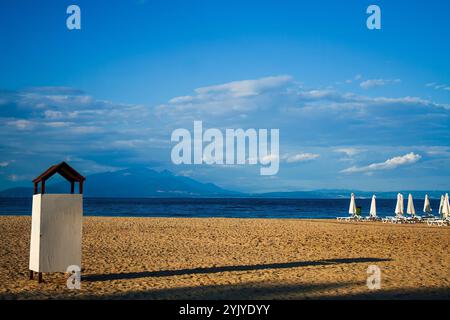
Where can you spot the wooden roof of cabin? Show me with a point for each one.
(64, 170)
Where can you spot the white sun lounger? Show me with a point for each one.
(389, 219)
(370, 218)
(428, 217)
(397, 219)
(438, 222)
(348, 219)
(414, 219)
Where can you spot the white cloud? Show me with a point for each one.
(355, 78)
(386, 165)
(181, 99)
(245, 88)
(269, 158)
(16, 177)
(438, 151)
(13, 177)
(281, 94)
(131, 144)
(300, 157)
(233, 97)
(367, 84)
(86, 129)
(349, 152)
(21, 124)
(4, 164)
(50, 114)
(438, 86)
(57, 124)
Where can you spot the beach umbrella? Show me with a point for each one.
(446, 207)
(410, 210)
(426, 205)
(352, 208)
(441, 205)
(373, 207)
(399, 206)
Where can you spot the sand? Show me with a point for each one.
(177, 258)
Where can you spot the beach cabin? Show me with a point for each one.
(56, 223)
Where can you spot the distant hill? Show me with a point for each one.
(133, 183)
(144, 182)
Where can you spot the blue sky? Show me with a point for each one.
(356, 108)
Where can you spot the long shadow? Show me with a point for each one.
(168, 273)
(209, 292)
(245, 291)
(322, 291)
(249, 291)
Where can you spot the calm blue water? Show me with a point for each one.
(237, 208)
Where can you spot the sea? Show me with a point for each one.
(220, 207)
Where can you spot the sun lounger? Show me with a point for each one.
(345, 219)
(387, 219)
(370, 218)
(434, 222)
(399, 219)
(348, 219)
(415, 219)
(428, 217)
(391, 219)
(438, 222)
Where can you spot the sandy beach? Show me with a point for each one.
(177, 258)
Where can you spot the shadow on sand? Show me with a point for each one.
(242, 291)
(168, 273)
(250, 291)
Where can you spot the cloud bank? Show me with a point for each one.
(301, 157)
(386, 165)
(48, 124)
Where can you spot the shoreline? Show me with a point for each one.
(330, 220)
(236, 258)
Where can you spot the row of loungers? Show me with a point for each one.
(429, 220)
(357, 218)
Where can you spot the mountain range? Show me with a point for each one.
(144, 183)
(132, 183)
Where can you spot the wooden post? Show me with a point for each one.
(81, 187)
(40, 277)
(35, 188)
(72, 187)
(43, 186)
(31, 275)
